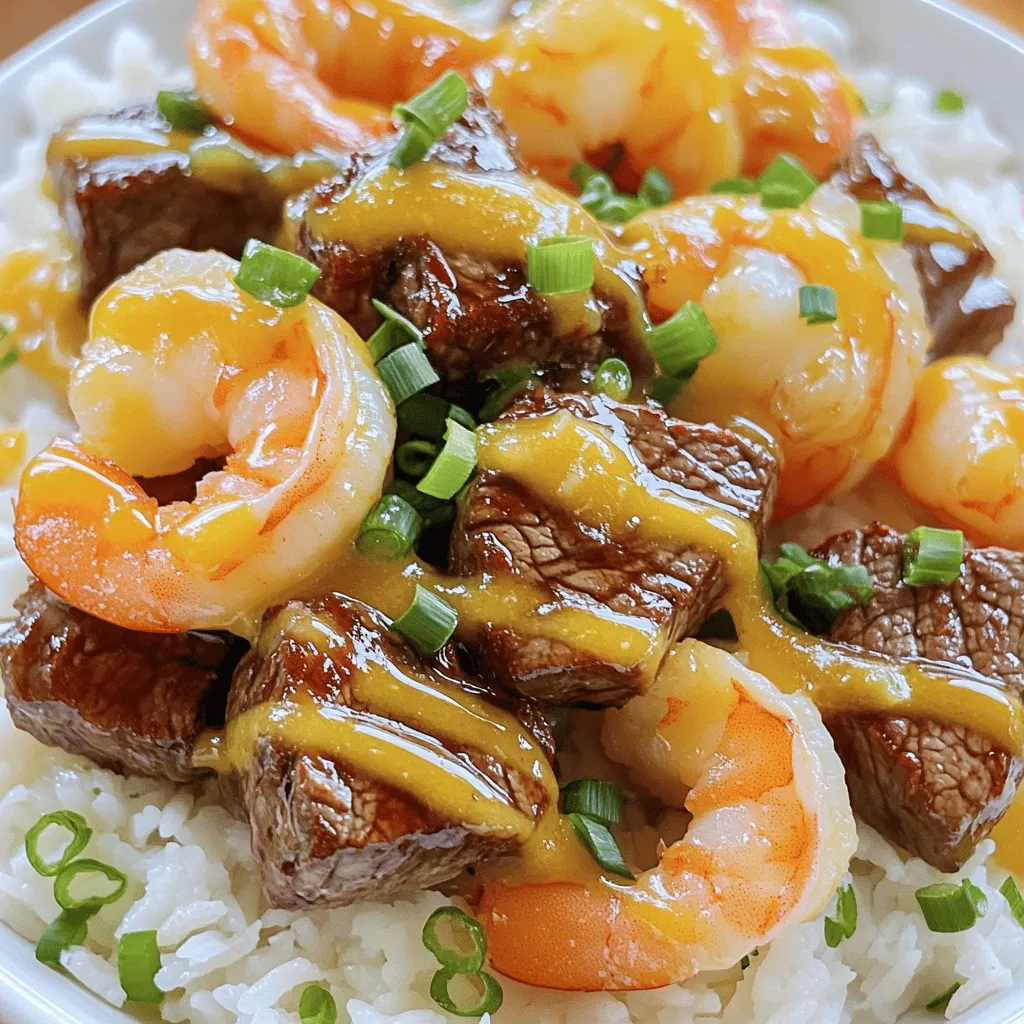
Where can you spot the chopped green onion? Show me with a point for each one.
(663, 390)
(597, 838)
(183, 110)
(425, 415)
(932, 557)
(941, 1001)
(450, 956)
(389, 530)
(818, 304)
(948, 101)
(87, 866)
(511, 380)
(879, 109)
(786, 182)
(490, 998)
(317, 1006)
(428, 622)
(599, 196)
(393, 333)
(433, 511)
(406, 371)
(68, 928)
(138, 960)
(655, 188)
(273, 275)
(948, 907)
(561, 265)
(224, 163)
(411, 147)
(882, 221)
(414, 458)
(1012, 896)
(612, 378)
(455, 464)
(745, 960)
(844, 924)
(428, 115)
(683, 340)
(809, 592)
(71, 822)
(594, 798)
(10, 357)
(733, 187)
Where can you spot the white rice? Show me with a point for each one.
(226, 957)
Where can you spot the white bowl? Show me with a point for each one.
(930, 39)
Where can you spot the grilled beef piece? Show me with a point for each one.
(475, 312)
(934, 789)
(133, 702)
(503, 529)
(323, 834)
(123, 209)
(968, 309)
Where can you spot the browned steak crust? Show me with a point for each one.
(324, 835)
(934, 789)
(122, 210)
(133, 702)
(503, 529)
(968, 309)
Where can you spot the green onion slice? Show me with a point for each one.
(490, 998)
(183, 110)
(683, 340)
(273, 275)
(87, 866)
(818, 304)
(394, 332)
(317, 1006)
(433, 511)
(411, 147)
(428, 622)
(932, 557)
(405, 372)
(71, 822)
(612, 378)
(941, 1001)
(733, 187)
(597, 838)
(598, 194)
(453, 466)
(414, 458)
(425, 415)
(655, 188)
(9, 358)
(465, 927)
(561, 265)
(882, 221)
(949, 101)
(780, 196)
(594, 798)
(389, 530)
(663, 390)
(511, 380)
(787, 179)
(138, 960)
(440, 105)
(948, 907)
(844, 924)
(1012, 896)
(68, 928)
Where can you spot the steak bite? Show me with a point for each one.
(968, 308)
(133, 702)
(934, 789)
(476, 311)
(325, 834)
(123, 208)
(505, 531)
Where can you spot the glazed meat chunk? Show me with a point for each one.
(133, 702)
(504, 530)
(968, 308)
(122, 209)
(934, 789)
(325, 834)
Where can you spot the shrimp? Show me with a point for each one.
(181, 364)
(962, 452)
(771, 838)
(833, 395)
(297, 74)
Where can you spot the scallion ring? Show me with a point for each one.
(405, 372)
(317, 1006)
(425, 416)
(786, 182)
(1013, 897)
(183, 110)
(394, 332)
(390, 529)
(683, 340)
(490, 998)
(8, 359)
(612, 378)
(453, 466)
(733, 187)
(87, 866)
(949, 101)
(433, 511)
(663, 390)
(844, 924)
(71, 822)
(68, 928)
(655, 188)
(595, 798)
(882, 221)
(414, 458)
(510, 380)
(427, 116)
(428, 622)
(948, 907)
(818, 304)
(597, 838)
(932, 557)
(451, 956)
(138, 960)
(941, 1001)
(561, 266)
(273, 275)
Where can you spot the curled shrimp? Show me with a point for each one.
(771, 837)
(180, 365)
(833, 395)
(296, 74)
(962, 452)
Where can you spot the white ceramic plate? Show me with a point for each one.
(931, 39)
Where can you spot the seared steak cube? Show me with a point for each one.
(133, 702)
(934, 789)
(325, 834)
(504, 530)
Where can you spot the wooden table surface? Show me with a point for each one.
(22, 20)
